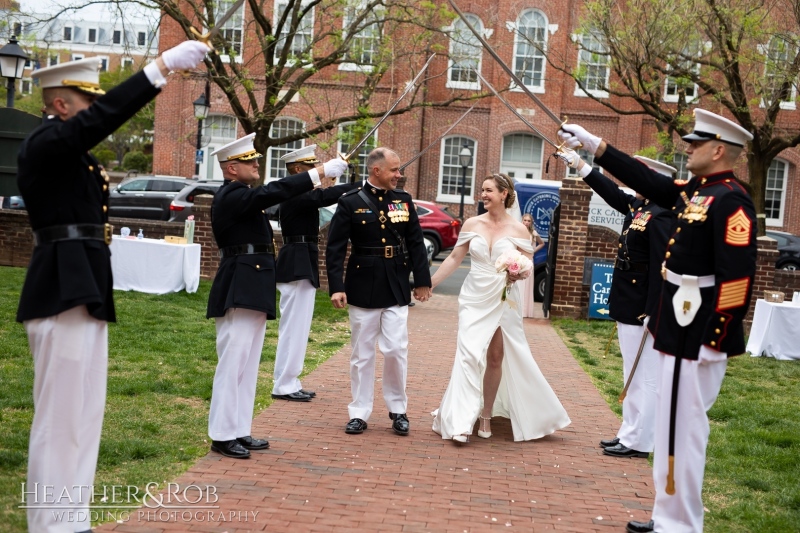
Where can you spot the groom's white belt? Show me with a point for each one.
(687, 299)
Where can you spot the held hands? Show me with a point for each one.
(186, 55)
(422, 294)
(574, 136)
(339, 300)
(334, 168)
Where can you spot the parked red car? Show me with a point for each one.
(438, 225)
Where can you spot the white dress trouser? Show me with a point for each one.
(297, 311)
(697, 391)
(639, 406)
(389, 328)
(240, 338)
(70, 355)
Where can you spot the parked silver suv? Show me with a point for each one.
(145, 196)
(181, 206)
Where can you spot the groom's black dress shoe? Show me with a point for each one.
(310, 393)
(400, 424)
(639, 527)
(609, 443)
(298, 396)
(620, 450)
(230, 448)
(355, 426)
(250, 443)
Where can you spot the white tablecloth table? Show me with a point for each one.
(154, 266)
(775, 331)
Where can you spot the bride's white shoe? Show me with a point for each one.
(461, 439)
(485, 434)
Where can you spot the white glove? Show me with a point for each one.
(570, 157)
(186, 55)
(575, 136)
(334, 168)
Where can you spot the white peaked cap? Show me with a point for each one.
(658, 166)
(707, 126)
(303, 155)
(239, 150)
(83, 75)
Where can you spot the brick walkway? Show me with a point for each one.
(317, 478)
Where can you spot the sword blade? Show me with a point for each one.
(439, 138)
(505, 67)
(516, 113)
(221, 21)
(388, 111)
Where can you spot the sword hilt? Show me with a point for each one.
(560, 146)
(204, 38)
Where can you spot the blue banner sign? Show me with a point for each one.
(599, 289)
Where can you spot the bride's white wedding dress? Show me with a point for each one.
(524, 395)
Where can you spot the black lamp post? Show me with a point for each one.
(201, 107)
(465, 158)
(12, 65)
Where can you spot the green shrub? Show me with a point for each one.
(136, 161)
(105, 156)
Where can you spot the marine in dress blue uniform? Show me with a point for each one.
(634, 297)
(381, 223)
(67, 301)
(243, 294)
(709, 267)
(297, 274)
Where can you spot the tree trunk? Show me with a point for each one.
(757, 165)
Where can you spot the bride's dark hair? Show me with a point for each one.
(504, 183)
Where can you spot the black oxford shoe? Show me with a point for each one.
(620, 450)
(400, 424)
(250, 443)
(298, 396)
(355, 426)
(639, 527)
(609, 443)
(230, 448)
(309, 393)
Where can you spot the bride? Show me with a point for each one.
(493, 361)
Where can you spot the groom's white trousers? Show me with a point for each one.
(639, 406)
(388, 328)
(297, 311)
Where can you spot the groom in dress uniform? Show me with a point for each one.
(297, 274)
(381, 223)
(709, 267)
(242, 296)
(635, 292)
(67, 300)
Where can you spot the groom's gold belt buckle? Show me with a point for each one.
(388, 252)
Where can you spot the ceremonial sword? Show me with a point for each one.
(206, 37)
(517, 113)
(439, 138)
(508, 70)
(633, 368)
(409, 87)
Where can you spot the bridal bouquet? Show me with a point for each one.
(513, 262)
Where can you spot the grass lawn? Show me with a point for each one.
(162, 358)
(752, 479)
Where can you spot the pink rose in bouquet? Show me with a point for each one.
(513, 262)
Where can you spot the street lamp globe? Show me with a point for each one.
(12, 65)
(201, 107)
(465, 156)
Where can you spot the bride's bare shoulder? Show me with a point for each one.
(519, 230)
(473, 222)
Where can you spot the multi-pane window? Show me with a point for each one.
(282, 127)
(775, 190)
(679, 162)
(231, 31)
(465, 54)
(522, 156)
(593, 63)
(91, 37)
(778, 65)
(116, 37)
(349, 135)
(683, 81)
(67, 33)
(299, 40)
(588, 158)
(220, 127)
(530, 40)
(364, 45)
(141, 38)
(450, 172)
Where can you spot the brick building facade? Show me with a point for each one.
(498, 140)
